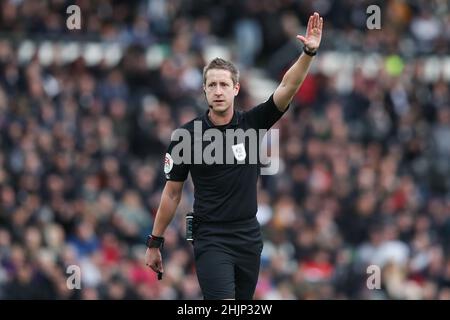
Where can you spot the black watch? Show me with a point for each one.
(308, 52)
(155, 242)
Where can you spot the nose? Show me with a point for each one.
(218, 91)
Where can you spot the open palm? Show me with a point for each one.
(313, 32)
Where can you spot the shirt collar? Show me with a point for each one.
(234, 121)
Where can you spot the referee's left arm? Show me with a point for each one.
(294, 77)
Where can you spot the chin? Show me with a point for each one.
(220, 109)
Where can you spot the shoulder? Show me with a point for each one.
(261, 107)
(189, 126)
(269, 102)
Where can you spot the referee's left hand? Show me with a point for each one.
(313, 32)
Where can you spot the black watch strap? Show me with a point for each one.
(308, 52)
(155, 242)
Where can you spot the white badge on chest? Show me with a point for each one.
(239, 151)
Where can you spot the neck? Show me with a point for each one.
(219, 118)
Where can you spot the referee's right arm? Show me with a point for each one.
(170, 199)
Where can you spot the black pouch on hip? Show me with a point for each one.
(189, 226)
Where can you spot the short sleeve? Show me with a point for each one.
(264, 115)
(174, 168)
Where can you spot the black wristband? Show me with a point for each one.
(308, 52)
(155, 242)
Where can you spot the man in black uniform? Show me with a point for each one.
(227, 238)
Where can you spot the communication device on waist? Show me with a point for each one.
(189, 225)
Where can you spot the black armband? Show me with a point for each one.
(155, 242)
(308, 52)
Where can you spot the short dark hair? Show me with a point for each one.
(219, 63)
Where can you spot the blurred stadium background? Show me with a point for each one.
(85, 118)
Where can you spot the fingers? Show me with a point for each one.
(153, 260)
(315, 20)
(159, 267)
(156, 266)
(309, 25)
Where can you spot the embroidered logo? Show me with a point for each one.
(239, 152)
(168, 163)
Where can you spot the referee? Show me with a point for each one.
(227, 239)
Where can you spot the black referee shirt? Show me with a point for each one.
(224, 192)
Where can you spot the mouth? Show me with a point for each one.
(218, 101)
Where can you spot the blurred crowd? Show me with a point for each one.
(364, 175)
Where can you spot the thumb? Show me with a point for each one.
(302, 39)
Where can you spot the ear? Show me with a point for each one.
(237, 86)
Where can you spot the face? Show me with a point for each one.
(220, 90)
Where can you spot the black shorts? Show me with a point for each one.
(227, 257)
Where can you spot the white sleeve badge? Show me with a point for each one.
(168, 163)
